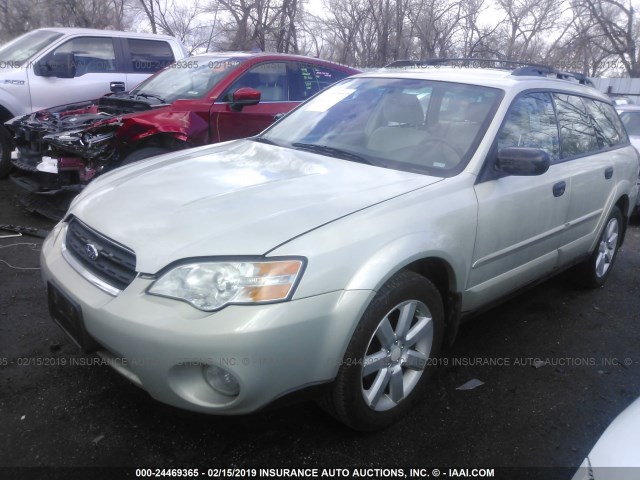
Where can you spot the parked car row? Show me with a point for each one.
(616, 454)
(56, 66)
(630, 116)
(200, 100)
(362, 315)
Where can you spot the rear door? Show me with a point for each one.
(589, 130)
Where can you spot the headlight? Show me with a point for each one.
(210, 286)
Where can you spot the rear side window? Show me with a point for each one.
(631, 121)
(531, 122)
(609, 130)
(149, 56)
(577, 134)
(306, 80)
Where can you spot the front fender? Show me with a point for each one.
(405, 251)
(183, 126)
(363, 250)
(11, 104)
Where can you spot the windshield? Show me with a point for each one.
(26, 46)
(187, 79)
(421, 126)
(631, 121)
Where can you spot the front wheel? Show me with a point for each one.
(389, 357)
(141, 154)
(595, 270)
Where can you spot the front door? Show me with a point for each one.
(520, 218)
(270, 78)
(95, 62)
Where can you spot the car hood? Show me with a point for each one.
(80, 115)
(619, 445)
(236, 198)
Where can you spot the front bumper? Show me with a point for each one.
(162, 344)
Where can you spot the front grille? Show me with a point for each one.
(111, 262)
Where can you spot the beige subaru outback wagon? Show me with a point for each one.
(339, 250)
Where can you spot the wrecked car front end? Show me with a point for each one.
(62, 148)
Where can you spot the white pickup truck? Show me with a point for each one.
(56, 66)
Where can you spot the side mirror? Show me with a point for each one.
(243, 97)
(60, 65)
(522, 161)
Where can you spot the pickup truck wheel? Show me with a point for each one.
(5, 152)
(390, 355)
(594, 271)
(146, 152)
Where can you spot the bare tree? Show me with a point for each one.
(579, 35)
(619, 29)
(285, 30)
(247, 31)
(478, 40)
(524, 21)
(181, 20)
(148, 6)
(85, 13)
(437, 25)
(18, 17)
(263, 24)
(350, 32)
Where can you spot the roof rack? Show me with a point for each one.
(521, 68)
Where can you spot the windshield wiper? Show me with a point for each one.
(264, 140)
(332, 152)
(151, 95)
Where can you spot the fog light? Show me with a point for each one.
(221, 380)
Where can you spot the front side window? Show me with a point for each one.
(269, 78)
(422, 126)
(577, 135)
(90, 54)
(531, 122)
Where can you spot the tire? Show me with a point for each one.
(595, 270)
(6, 146)
(387, 361)
(146, 152)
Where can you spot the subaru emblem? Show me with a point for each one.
(91, 251)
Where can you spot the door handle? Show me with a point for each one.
(117, 87)
(608, 173)
(559, 188)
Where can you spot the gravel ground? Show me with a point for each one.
(527, 416)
